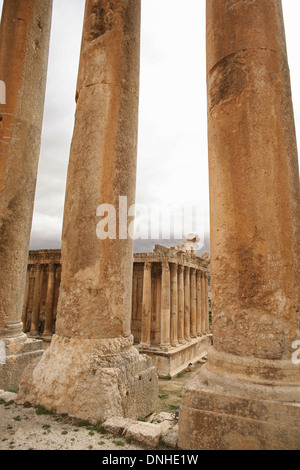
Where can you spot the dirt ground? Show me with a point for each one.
(29, 428)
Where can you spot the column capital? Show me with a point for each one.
(148, 265)
(180, 268)
(165, 265)
(174, 267)
(51, 268)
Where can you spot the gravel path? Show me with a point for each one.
(25, 429)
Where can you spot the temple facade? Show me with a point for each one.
(170, 304)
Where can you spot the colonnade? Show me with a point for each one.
(175, 304)
(41, 293)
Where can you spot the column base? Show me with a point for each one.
(16, 354)
(92, 379)
(234, 405)
(170, 363)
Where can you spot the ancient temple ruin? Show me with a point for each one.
(174, 338)
(247, 396)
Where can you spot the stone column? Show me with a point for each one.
(93, 337)
(207, 327)
(165, 307)
(180, 332)
(193, 303)
(250, 378)
(24, 46)
(25, 301)
(187, 304)
(49, 301)
(198, 304)
(174, 305)
(147, 307)
(35, 316)
(203, 304)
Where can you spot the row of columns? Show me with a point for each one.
(184, 304)
(33, 297)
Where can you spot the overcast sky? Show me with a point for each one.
(172, 149)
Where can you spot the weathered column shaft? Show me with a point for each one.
(25, 301)
(93, 325)
(250, 377)
(98, 278)
(180, 331)
(35, 316)
(174, 306)
(198, 304)
(24, 46)
(187, 304)
(193, 304)
(255, 226)
(49, 301)
(203, 303)
(207, 327)
(147, 306)
(165, 307)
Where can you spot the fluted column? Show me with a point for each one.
(207, 327)
(193, 304)
(247, 396)
(147, 306)
(174, 306)
(25, 301)
(49, 301)
(198, 304)
(180, 331)
(35, 316)
(187, 304)
(165, 307)
(203, 303)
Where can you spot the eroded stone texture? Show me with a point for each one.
(91, 369)
(24, 47)
(237, 401)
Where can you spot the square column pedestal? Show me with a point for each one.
(254, 406)
(92, 379)
(16, 353)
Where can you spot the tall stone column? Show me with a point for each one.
(174, 305)
(207, 327)
(193, 304)
(49, 301)
(100, 373)
(248, 394)
(187, 304)
(165, 307)
(147, 307)
(35, 316)
(24, 47)
(180, 331)
(25, 301)
(203, 303)
(198, 304)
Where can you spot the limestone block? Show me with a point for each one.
(147, 433)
